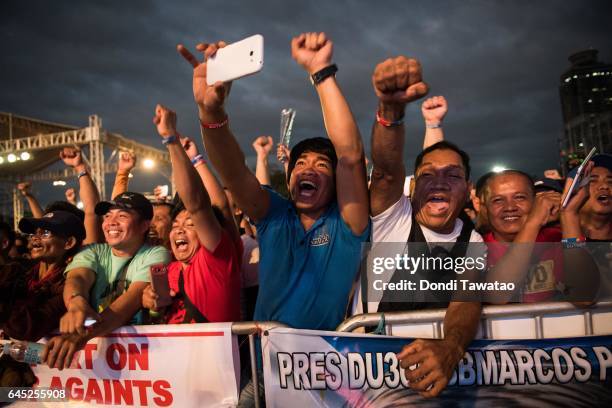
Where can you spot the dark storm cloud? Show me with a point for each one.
(498, 64)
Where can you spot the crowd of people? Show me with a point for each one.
(233, 248)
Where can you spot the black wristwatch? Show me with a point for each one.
(321, 75)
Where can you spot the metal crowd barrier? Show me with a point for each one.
(601, 313)
(250, 329)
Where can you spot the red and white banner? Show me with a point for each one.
(190, 365)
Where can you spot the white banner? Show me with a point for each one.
(305, 368)
(187, 365)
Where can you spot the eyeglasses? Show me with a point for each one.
(44, 234)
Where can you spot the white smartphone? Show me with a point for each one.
(236, 60)
(578, 179)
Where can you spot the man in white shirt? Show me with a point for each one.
(441, 190)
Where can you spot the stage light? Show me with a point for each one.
(59, 183)
(1, 159)
(11, 158)
(498, 168)
(148, 163)
(25, 156)
(80, 205)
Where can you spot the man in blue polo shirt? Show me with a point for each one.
(309, 245)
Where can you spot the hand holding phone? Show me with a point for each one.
(159, 283)
(236, 60)
(577, 181)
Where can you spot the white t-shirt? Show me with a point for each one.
(393, 225)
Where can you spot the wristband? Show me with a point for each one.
(214, 125)
(388, 123)
(434, 126)
(197, 160)
(81, 174)
(169, 139)
(323, 74)
(570, 243)
(154, 313)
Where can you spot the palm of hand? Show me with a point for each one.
(203, 93)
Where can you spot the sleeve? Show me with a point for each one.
(121, 183)
(157, 255)
(87, 258)
(393, 224)
(223, 260)
(278, 208)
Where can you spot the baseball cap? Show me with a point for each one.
(547, 184)
(602, 160)
(61, 223)
(127, 201)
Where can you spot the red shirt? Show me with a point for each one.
(211, 281)
(547, 264)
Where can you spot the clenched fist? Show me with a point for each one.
(263, 145)
(71, 157)
(434, 109)
(24, 188)
(399, 81)
(127, 161)
(165, 121)
(313, 51)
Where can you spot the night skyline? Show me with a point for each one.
(498, 64)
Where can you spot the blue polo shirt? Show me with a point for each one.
(305, 277)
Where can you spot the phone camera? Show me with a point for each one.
(251, 53)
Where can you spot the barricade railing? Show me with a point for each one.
(250, 329)
(494, 314)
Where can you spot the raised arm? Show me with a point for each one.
(127, 161)
(262, 146)
(221, 145)
(313, 51)
(433, 109)
(88, 193)
(213, 187)
(71, 196)
(396, 81)
(24, 189)
(188, 183)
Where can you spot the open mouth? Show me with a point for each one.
(603, 199)
(307, 188)
(36, 246)
(511, 218)
(152, 233)
(181, 244)
(439, 203)
(113, 233)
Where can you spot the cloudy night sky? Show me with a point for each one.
(497, 62)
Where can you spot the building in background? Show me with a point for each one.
(586, 101)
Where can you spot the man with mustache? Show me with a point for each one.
(441, 191)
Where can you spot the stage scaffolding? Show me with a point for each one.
(44, 140)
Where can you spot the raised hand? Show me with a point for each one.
(545, 208)
(434, 109)
(282, 153)
(71, 195)
(263, 145)
(165, 121)
(313, 51)
(24, 188)
(127, 161)
(210, 98)
(190, 147)
(71, 157)
(399, 81)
